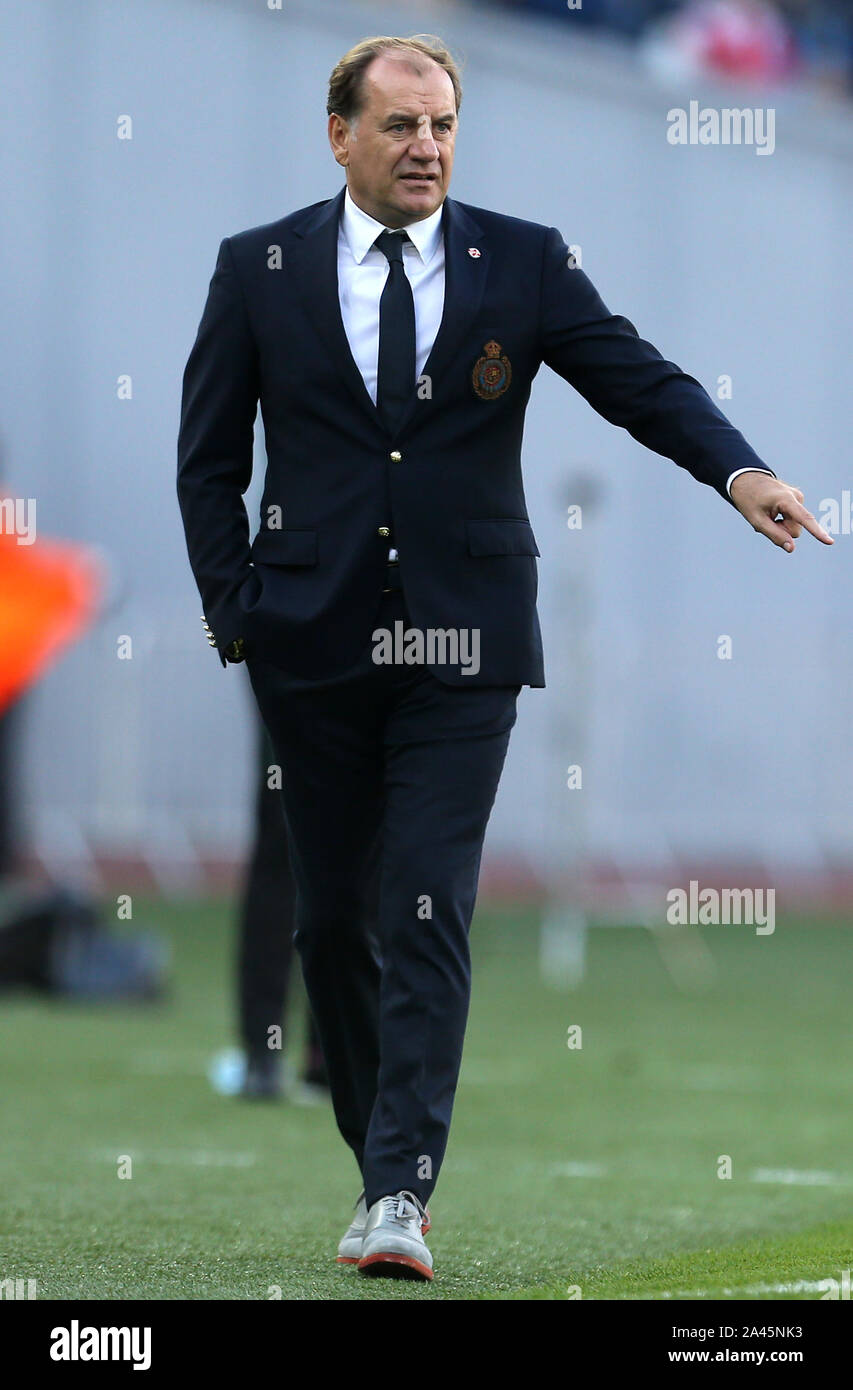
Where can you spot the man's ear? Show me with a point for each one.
(338, 132)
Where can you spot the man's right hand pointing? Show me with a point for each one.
(761, 499)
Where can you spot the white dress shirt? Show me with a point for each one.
(362, 272)
(738, 472)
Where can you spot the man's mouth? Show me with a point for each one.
(418, 178)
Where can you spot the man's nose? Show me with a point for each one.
(423, 147)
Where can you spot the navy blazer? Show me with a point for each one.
(446, 484)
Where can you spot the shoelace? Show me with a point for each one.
(401, 1208)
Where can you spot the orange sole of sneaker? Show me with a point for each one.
(351, 1260)
(394, 1266)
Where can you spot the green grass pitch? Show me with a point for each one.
(588, 1172)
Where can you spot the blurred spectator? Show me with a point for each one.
(265, 949)
(824, 33)
(743, 40)
(53, 940)
(7, 846)
(626, 17)
(750, 41)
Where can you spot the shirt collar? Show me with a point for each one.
(361, 230)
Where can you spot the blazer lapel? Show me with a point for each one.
(314, 269)
(313, 262)
(464, 283)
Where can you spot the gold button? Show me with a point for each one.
(396, 456)
(384, 532)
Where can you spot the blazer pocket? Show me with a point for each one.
(285, 548)
(501, 536)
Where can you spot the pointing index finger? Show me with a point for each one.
(796, 512)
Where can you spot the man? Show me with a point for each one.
(391, 335)
(265, 951)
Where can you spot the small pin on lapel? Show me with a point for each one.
(473, 252)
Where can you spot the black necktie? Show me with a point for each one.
(396, 380)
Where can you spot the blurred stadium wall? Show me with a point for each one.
(732, 263)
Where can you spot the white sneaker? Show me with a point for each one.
(394, 1243)
(349, 1250)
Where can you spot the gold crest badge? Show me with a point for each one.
(492, 374)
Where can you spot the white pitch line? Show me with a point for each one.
(750, 1290)
(794, 1177)
(710, 1077)
(577, 1170)
(799, 1177)
(799, 1286)
(192, 1158)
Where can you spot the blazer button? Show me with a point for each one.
(396, 456)
(384, 532)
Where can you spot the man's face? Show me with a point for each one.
(398, 153)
